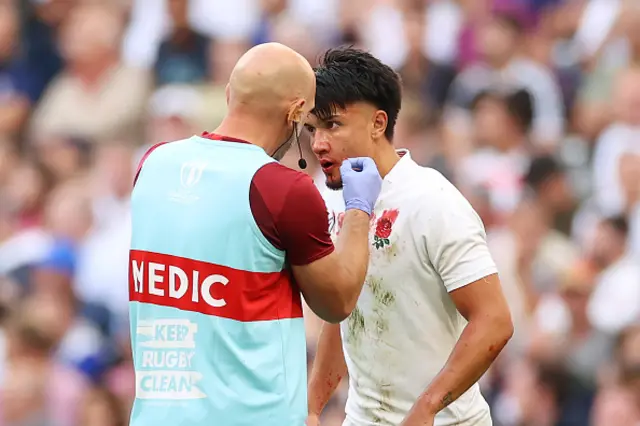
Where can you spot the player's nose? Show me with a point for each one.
(320, 144)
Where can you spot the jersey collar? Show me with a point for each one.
(217, 137)
(402, 167)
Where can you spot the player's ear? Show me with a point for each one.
(380, 121)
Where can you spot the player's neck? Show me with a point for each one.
(247, 130)
(386, 158)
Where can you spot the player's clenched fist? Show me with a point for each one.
(361, 183)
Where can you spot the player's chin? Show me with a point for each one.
(334, 182)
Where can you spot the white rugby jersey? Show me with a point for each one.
(426, 240)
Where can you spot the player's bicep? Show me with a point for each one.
(482, 303)
(483, 297)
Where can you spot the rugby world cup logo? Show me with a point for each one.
(190, 173)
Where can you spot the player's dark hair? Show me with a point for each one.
(346, 75)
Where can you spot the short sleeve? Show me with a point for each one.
(454, 237)
(291, 213)
(303, 224)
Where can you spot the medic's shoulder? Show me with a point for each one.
(144, 158)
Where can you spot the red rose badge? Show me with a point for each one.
(384, 226)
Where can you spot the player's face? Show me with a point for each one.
(346, 134)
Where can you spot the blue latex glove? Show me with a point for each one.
(361, 183)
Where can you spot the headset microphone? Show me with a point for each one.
(302, 163)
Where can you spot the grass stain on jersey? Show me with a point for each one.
(382, 296)
(384, 405)
(355, 325)
(385, 398)
(381, 325)
(383, 299)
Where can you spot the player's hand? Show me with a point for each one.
(313, 420)
(361, 183)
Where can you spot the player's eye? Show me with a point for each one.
(310, 128)
(332, 125)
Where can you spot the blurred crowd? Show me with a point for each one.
(531, 107)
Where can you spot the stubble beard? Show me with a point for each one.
(334, 185)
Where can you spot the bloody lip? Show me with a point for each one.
(327, 165)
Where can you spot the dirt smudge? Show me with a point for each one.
(355, 325)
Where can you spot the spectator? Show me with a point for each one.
(272, 10)
(614, 190)
(176, 112)
(609, 42)
(63, 158)
(27, 190)
(96, 97)
(614, 304)
(500, 39)
(111, 230)
(18, 85)
(502, 122)
(619, 401)
(419, 74)
(565, 336)
(39, 39)
(183, 56)
(38, 388)
(548, 183)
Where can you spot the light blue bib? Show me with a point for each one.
(211, 345)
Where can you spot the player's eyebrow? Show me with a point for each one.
(328, 112)
(325, 119)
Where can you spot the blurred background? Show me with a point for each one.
(531, 107)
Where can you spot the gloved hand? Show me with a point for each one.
(361, 183)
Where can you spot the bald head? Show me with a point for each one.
(272, 79)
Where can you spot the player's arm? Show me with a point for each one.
(330, 279)
(328, 370)
(488, 330)
(332, 284)
(457, 248)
